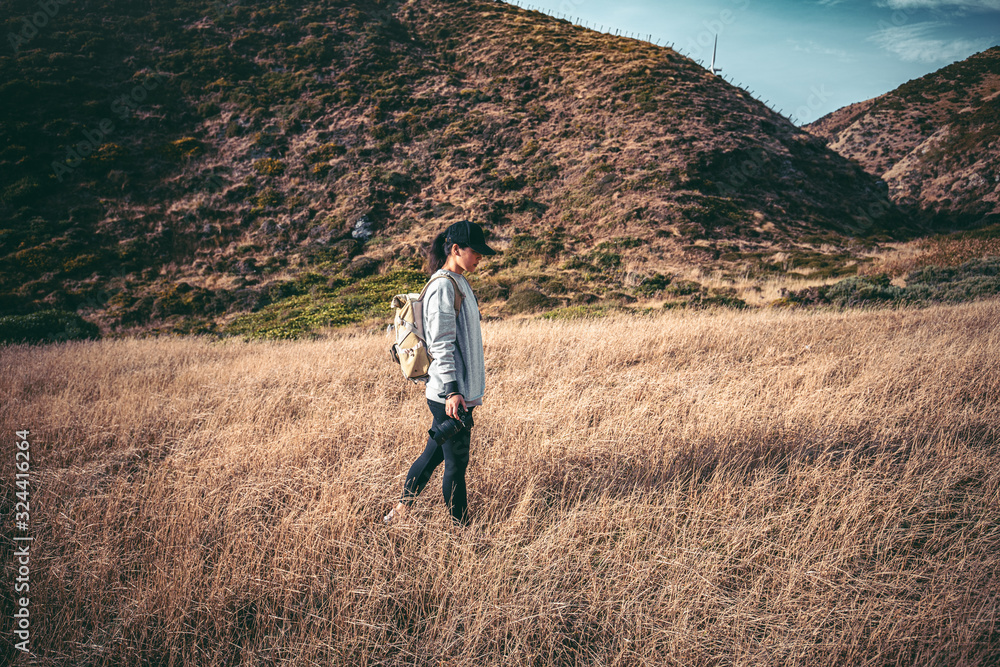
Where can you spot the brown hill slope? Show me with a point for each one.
(263, 140)
(933, 140)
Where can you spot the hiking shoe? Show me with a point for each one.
(393, 516)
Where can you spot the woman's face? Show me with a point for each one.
(467, 258)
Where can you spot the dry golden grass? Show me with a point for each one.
(765, 487)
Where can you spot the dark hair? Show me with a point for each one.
(436, 253)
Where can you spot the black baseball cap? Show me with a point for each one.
(470, 234)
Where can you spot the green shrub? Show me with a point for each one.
(580, 264)
(491, 291)
(580, 311)
(181, 299)
(725, 298)
(510, 182)
(110, 154)
(853, 291)
(619, 243)
(549, 245)
(975, 279)
(320, 170)
(20, 191)
(82, 264)
(857, 291)
(318, 301)
(528, 300)
(180, 149)
(684, 288)
(35, 260)
(606, 260)
(268, 197)
(269, 167)
(934, 275)
(46, 326)
(544, 171)
(208, 109)
(653, 284)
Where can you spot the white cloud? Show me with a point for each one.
(810, 46)
(972, 5)
(914, 43)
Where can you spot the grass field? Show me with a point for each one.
(688, 488)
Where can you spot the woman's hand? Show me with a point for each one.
(452, 404)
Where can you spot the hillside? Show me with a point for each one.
(273, 155)
(933, 140)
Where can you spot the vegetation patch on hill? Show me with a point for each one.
(326, 304)
(970, 281)
(46, 326)
(939, 250)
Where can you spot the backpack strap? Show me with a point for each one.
(458, 292)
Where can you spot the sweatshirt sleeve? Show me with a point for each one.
(440, 330)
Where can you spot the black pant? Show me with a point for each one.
(455, 454)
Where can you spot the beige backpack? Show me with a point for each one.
(410, 347)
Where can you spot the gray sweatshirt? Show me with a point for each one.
(454, 343)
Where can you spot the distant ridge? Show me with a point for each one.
(934, 140)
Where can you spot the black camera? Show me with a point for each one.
(451, 426)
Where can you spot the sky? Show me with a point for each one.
(805, 57)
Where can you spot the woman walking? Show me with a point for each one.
(457, 372)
